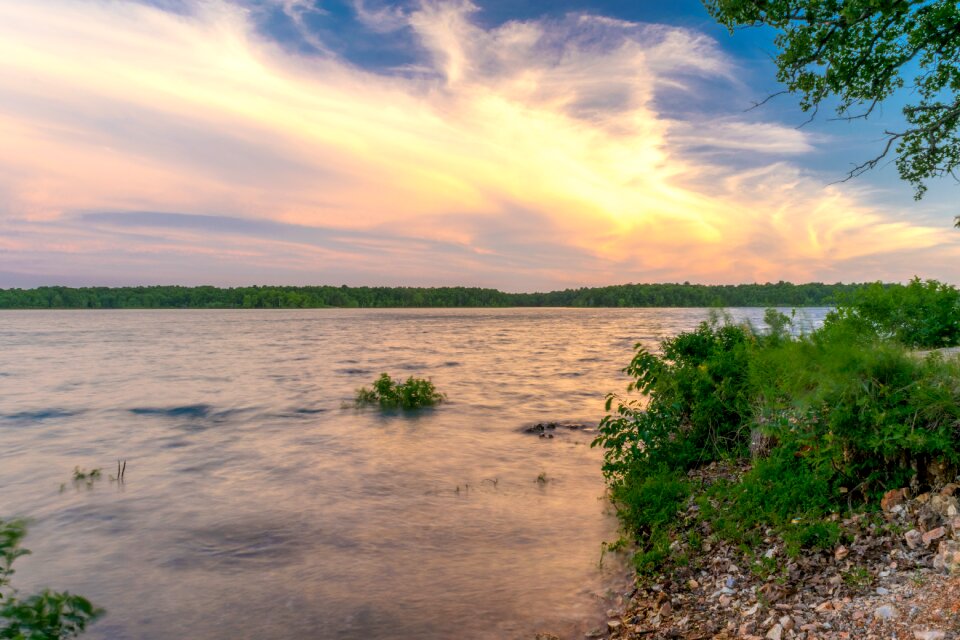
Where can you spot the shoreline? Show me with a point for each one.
(895, 574)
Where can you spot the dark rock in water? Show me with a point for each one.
(547, 429)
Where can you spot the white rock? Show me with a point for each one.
(885, 612)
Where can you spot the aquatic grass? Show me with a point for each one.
(387, 393)
(84, 477)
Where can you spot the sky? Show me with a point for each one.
(515, 144)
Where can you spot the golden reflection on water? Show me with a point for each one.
(256, 505)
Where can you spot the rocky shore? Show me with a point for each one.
(895, 574)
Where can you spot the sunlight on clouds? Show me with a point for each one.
(116, 106)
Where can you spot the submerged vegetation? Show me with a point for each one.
(628, 295)
(818, 423)
(48, 615)
(414, 393)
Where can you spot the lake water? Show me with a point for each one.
(257, 505)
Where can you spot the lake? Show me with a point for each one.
(258, 503)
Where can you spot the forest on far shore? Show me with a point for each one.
(290, 297)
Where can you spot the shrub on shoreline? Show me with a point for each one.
(413, 393)
(845, 413)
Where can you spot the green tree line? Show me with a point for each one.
(271, 297)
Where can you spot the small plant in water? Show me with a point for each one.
(48, 615)
(84, 477)
(390, 394)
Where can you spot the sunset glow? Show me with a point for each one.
(147, 145)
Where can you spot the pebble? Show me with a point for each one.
(881, 591)
(885, 612)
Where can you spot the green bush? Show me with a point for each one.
(781, 491)
(48, 615)
(924, 314)
(697, 402)
(388, 394)
(863, 413)
(648, 507)
(843, 414)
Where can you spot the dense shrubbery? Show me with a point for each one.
(48, 615)
(839, 416)
(921, 314)
(388, 394)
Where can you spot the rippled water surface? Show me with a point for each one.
(257, 506)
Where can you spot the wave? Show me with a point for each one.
(39, 415)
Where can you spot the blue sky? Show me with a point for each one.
(521, 145)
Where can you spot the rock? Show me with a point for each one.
(944, 506)
(927, 519)
(613, 625)
(933, 534)
(893, 498)
(913, 538)
(885, 612)
(692, 584)
(948, 556)
(775, 632)
(595, 633)
(787, 623)
(929, 635)
(881, 591)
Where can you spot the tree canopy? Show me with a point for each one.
(859, 53)
(626, 295)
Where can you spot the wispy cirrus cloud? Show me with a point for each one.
(534, 154)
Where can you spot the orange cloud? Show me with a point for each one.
(532, 133)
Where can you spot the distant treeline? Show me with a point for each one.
(628, 295)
